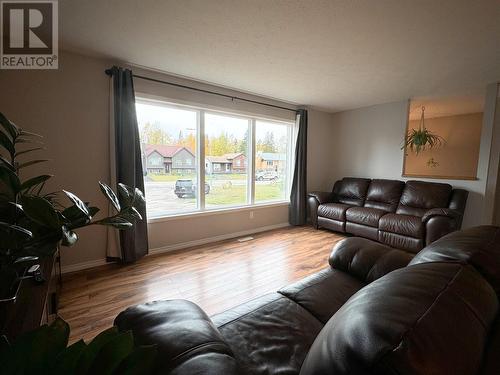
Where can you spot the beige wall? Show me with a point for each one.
(169, 233)
(70, 107)
(495, 152)
(320, 139)
(367, 143)
(457, 157)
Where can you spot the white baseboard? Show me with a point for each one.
(203, 241)
(83, 265)
(178, 246)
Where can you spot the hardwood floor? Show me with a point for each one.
(216, 276)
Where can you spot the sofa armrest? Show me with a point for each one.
(367, 260)
(439, 222)
(185, 337)
(446, 212)
(458, 200)
(321, 196)
(314, 199)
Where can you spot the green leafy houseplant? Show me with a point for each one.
(45, 351)
(33, 222)
(422, 139)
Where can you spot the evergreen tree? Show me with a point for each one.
(243, 145)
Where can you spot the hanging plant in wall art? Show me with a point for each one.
(432, 163)
(422, 139)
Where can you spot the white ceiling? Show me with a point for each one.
(328, 54)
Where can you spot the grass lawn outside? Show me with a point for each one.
(237, 195)
(229, 176)
(269, 192)
(170, 177)
(173, 177)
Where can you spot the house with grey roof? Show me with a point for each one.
(159, 159)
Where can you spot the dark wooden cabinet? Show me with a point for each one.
(36, 303)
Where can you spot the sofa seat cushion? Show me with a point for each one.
(323, 293)
(400, 241)
(334, 211)
(269, 335)
(365, 215)
(405, 225)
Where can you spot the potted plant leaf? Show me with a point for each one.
(45, 350)
(33, 222)
(422, 138)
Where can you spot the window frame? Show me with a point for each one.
(201, 166)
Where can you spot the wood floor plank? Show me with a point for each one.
(216, 276)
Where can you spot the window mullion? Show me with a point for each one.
(201, 160)
(251, 161)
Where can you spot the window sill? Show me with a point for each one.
(220, 211)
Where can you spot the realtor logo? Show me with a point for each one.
(29, 35)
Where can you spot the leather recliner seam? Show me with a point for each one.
(227, 350)
(381, 357)
(282, 295)
(424, 314)
(254, 310)
(375, 263)
(473, 311)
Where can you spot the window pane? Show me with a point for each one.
(271, 161)
(168, 145)
(226, 151)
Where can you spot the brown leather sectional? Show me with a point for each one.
(403, 215)
(374, 310)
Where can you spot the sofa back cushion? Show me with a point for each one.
(430, 318)
(384, 194)
(351, 190)
(420, 196)
(367, 260)
(477, 246)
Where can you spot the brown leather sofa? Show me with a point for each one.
(375, 310)
(403, 215)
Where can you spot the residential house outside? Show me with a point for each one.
(227, 163)
(239, 162)
(160, 159)
(270, 161)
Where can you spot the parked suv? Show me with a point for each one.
(266, 175)
(186, 188)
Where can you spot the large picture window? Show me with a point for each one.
(226, 142)
(246, 160)
(271, 161)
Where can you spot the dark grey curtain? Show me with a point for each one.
(298, 210)
(133, 241)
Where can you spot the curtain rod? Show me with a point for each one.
(110, 73)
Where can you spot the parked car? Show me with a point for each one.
(186, 188)
(266, 176)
